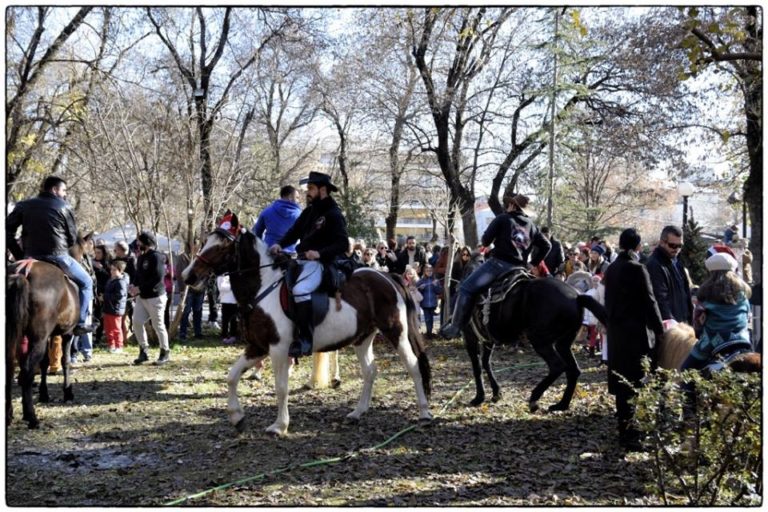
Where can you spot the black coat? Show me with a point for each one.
(320, 227)
(674, 300)
(116, 296)
(150, 274)
(419, 256)
(515, 237)
(633, 320)
(555, 256)
(47, 227)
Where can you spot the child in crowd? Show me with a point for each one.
(590, 321)
(228, 310)
(115, 298)
(430, 289)
(411, 277)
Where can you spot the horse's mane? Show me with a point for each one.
(676, 345)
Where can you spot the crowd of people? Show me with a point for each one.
(645, 288)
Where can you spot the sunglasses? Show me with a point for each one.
(673, 246)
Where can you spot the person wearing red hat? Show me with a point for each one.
(322, 234)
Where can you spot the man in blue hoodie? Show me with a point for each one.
(278, 218)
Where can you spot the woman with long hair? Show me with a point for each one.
(723, 310)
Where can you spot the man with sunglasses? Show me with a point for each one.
(669, 278)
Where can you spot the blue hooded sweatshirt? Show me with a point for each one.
(277, 219)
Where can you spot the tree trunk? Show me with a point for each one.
(467, 210)
(206, 173)
(394, 206)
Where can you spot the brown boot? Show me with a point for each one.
(54, 355)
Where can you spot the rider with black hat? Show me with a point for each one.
(322, 232)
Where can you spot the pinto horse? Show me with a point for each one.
(549, 312)
(371, 302)
(40, 302)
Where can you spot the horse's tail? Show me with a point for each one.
(597, 309)
(16, 311)
(414, 336)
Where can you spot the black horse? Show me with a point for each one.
(40, 302)
(549, 312)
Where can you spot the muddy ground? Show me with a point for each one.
(151, 435)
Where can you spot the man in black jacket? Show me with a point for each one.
(669, 278)
(634, 327)
(555, 256)
(48, 230)
(514, 237)
(411, 253)
(150, 295)
(322, 230)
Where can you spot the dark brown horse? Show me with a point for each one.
(370, 302)
(549, 313)
(40, 302)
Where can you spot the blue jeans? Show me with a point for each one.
(429, 318)
(82, 344)
(193, 304)
(82, 280)
(481, 279)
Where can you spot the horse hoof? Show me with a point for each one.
(69, 396)
(496, 397)
(335, 383)
(34, 424)
(426, 420)
(477, 401)
(557, 407)
(533, 407)
(240, 426)
(44, 399)
(352, 420)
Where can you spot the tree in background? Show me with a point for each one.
(694, 252)
(31, 111)
(729, 39)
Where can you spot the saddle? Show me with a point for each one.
(497, 292)
(726, 353)
(25, 266)
(334, 277)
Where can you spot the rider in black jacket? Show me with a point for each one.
(48, 230)
(323, 233)
(514, 236)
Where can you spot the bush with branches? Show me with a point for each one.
(705, 449)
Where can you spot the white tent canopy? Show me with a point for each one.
(128, 233)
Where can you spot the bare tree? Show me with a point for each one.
(22, 130)
(472, 32)
(197, 69)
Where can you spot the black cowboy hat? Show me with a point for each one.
(320, 179)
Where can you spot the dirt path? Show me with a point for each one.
(154, 435)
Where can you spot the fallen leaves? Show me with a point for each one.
(156, 434)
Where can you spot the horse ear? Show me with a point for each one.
(235, 221)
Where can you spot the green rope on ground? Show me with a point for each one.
(335, 460)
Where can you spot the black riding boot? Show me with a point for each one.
(303, 345)
(461, 315)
